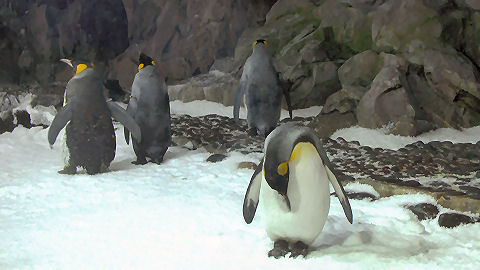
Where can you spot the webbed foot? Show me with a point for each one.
(299, 248)
(70, 170)
(280, 249)
(140, 161)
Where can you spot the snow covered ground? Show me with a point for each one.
(187, 214)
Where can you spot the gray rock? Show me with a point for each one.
(397, 23)
(387, 103)
(216, 158)
(424, 211)
(214, 86)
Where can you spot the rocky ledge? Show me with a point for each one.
(448, 172)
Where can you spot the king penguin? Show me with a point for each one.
(293, 183)
(90, 137)
(149, 106)
(261, 92)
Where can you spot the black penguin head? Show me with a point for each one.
(278, 151)
(78, 65)
(260, 41)
(145, 60)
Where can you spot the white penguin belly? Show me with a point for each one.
(309, 195)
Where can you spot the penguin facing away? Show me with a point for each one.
(149, 105)
(293, 183)
(90, 137)
(261, 92)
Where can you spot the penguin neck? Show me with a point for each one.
(307, 179)
(260, 49)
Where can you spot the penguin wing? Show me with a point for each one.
(286, 93)
(59, 122)
(238, 99)
(342, 196)
(122, 116)
(337, 186)
(253, 192)
(131, 108)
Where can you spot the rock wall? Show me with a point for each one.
(184, 37)
(410, 65)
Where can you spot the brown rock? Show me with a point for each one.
(451, 220)
(247, 165)
(326, 124)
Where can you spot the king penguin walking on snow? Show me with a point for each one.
(261, 92)
(90, 137)
(149, 106)
(293, 183)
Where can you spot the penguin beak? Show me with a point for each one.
(67, 61)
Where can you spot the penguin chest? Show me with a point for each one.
(309, 195)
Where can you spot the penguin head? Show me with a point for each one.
(260, 41)
(145, 60)
(78, 65)
(280, 150)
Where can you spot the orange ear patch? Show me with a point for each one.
(80, 68)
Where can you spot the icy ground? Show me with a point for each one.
(187, 214)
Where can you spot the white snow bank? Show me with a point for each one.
(187, 214)
(378, 138)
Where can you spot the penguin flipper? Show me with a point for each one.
(289, 103)
(342, 196)
(127, 121)
(130, 108)
(126, 134)
(337, 186)
(238, 100)
(250, 202)
(59, 122)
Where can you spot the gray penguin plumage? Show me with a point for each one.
(292, 181)
(261, 91)
(149, 106)
(90, 136)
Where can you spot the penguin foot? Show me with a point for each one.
(70, 170)
(252, 132)
(157, 161)
(299, 248)
(140, 161)
(280, 249)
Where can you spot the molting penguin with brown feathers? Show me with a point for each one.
(261, 91)
(90, 136)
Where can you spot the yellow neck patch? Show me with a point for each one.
(300, 148)
(80, 68)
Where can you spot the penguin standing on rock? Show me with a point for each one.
(261, 92)
(293, 183)
(149, 106)
(90, 137)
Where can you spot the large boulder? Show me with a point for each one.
(387, 102)
(397, 23)
(214, 86)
